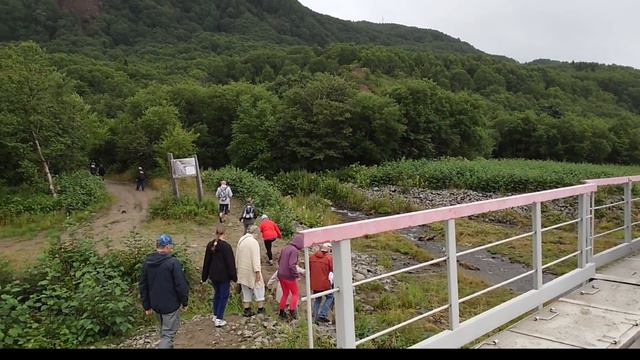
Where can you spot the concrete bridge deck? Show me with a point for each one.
(605, 313)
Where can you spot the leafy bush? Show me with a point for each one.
(340, 193)
(187, 207)
(80, 190)
(72, 297)
(266, 197)
(77, 191)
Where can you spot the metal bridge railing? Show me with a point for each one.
(458, 333)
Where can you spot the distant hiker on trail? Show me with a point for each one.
(270, 232)
(288, 275)
(250, 271)
(224, 195)
(163, 288)
(248, 216)
(140, 179)
(101, 171)
(93, 168)
(274, 281)
(320, 266)
(220, 267)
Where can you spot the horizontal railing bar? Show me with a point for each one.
(321, 294)
(496, 286)
(383, 332)
(561, 225)
(362, 228)
(560, 260)
(635, 223)
(466, 252)
(415, 267)
(634, 200)
(610, 205)
(609, 232)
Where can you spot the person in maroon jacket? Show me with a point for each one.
(270, 232)
(288, 276)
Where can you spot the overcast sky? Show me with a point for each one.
(604, 31)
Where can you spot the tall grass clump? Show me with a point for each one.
(495, 176)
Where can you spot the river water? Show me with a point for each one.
(492, 269)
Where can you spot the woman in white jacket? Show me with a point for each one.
(249, 271)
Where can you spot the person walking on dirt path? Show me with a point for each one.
(101, 171)
(93, 169)
(288, 275)
(220, 267)
(273, 281)
(140, 179)
(224, 195)
(250, 271)
(320, 266)
(163, 289)
(248, 216)
(270, 232)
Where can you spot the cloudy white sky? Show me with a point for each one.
(604, 31)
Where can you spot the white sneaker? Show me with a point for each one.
(215, 320)
(220, 323)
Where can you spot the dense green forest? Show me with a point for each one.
(270, 86)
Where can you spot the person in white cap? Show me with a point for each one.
(140, 179)
(320, 267)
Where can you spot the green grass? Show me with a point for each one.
(498, 176)
(384, 245)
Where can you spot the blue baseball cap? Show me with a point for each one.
(164, 240)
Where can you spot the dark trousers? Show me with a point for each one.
(139, 185)
(267, 244)
(220, 298)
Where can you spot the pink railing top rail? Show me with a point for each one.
(613, 181)
(357, 229)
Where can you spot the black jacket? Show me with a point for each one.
(163, 286)
(221, 265)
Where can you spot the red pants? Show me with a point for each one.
(289, 286)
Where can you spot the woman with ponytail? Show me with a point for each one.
(219, 267)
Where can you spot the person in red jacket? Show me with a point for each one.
(320, 266)
(270, 232)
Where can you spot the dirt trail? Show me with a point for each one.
(127, 214)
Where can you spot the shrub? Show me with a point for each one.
(186, 207)
(80, 190)
(72, 297)
(77, 191)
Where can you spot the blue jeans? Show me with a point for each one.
(326, 306)
(220, 298)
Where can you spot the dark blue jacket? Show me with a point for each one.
(163, 286)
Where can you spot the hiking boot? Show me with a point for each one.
(220, 323)
(271, 262)
(248, 312)
(283, 315)
(323, 321)
(261, 311)
(293, 314)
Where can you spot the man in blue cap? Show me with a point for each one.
(163, 288)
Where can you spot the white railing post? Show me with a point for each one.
(536, 217)
(307, 276)
(452, 274)
(592, 228)
(345, 318)
(628, 231)
(584, 202)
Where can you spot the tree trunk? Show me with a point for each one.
(45, 166)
